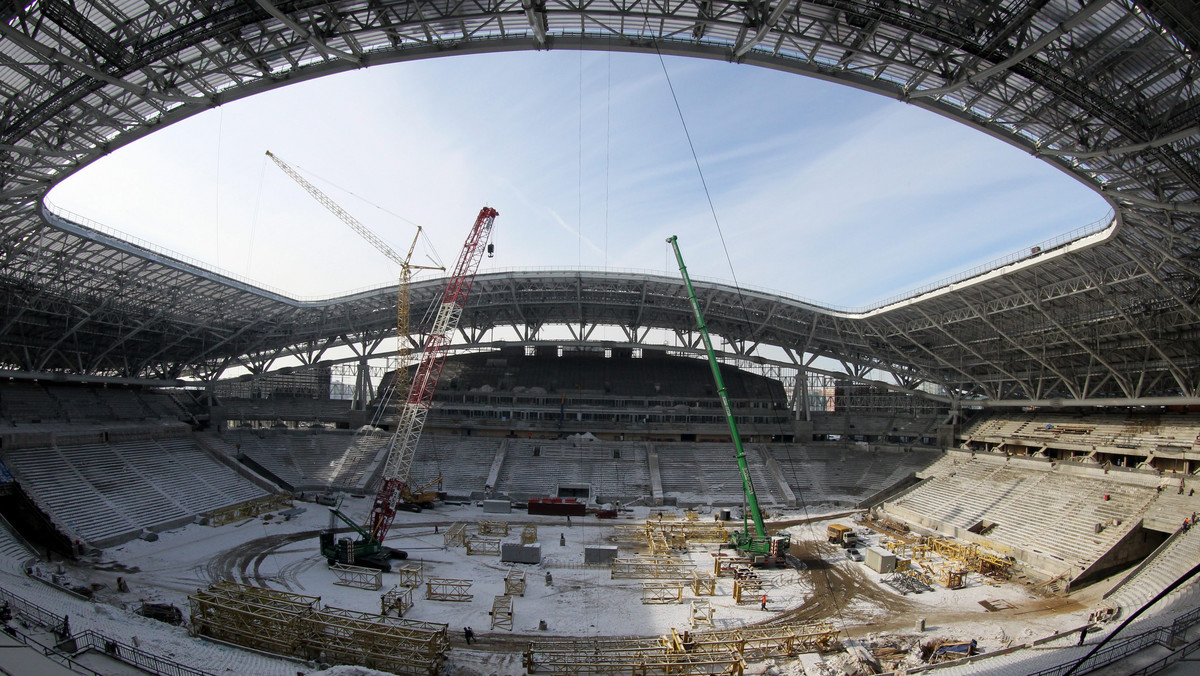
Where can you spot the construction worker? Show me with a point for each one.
(764, 602)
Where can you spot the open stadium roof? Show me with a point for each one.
(1106, 90)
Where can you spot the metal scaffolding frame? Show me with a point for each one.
(493, 528)
(701, 614)
(293, 624)
(448, 589)
(657, 567)
(398, 598)
(662, 592)
(502, 612)
(411, 574)
(357, 576)
(456, 535)
(248, 509)
(528, 535)
(514, 582)
(483, 546)
(1104, 91)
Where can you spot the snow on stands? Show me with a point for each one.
(1015, 495)
(103, 492)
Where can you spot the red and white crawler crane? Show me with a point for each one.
(395, 484)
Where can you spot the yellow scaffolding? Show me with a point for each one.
(658, 567)
(514, 582)
(248, 509)
(662, 592)
(410, 575)
(456, 535)
(704, 584)
(254, 617)
(398, 598)
(295, 625)
(480, 545)
(701, 614)
(748, 590)
(758, 643)
(502, 612)
(448, 589)
(389, 644)
(636, 662)
(493, 528)
(529, 535)
(357, 576)
(725, 565)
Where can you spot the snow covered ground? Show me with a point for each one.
(582, 601)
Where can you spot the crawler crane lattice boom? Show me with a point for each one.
(403, 444)
(759, 546)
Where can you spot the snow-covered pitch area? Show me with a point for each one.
(580, 601)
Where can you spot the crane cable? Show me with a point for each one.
(704, 184)
(741, 298)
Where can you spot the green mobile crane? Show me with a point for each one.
(758, 546)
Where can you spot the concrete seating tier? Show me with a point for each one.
(1168, 565)
(106, 492)
(1035, 507)
(160, 405)
(707, 473)
(13, 552)
(81, 403)
(462, 462)
(526, 475)
(311, 460)
(27, 403)
(844, 474)
(1138, 433)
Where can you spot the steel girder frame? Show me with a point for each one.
(1105, 90)
(392, 644)
(255, 617)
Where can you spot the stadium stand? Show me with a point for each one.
(1168, 563)
(102, 493)
(1005, 501)
(307, 460)
(845, 474)
(462, 462)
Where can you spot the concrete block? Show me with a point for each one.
(497, 507)
(599, 554)
(512, 552)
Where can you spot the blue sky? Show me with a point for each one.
(821, 191)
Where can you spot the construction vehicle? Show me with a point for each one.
(760, 547)
(841, 535)
(395, 490)
(365, 551)
(402, 447)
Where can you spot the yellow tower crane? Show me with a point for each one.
(399, 383)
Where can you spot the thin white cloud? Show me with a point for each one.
(821, 191)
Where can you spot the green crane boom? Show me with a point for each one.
(771, 549)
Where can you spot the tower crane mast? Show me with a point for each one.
(406, 267)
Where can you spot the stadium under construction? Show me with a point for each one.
(995, 474)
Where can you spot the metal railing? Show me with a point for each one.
(133, 656)
(1118, 650)
(91, 640)
(52, 653)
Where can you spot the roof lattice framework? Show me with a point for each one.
(1106, 90)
